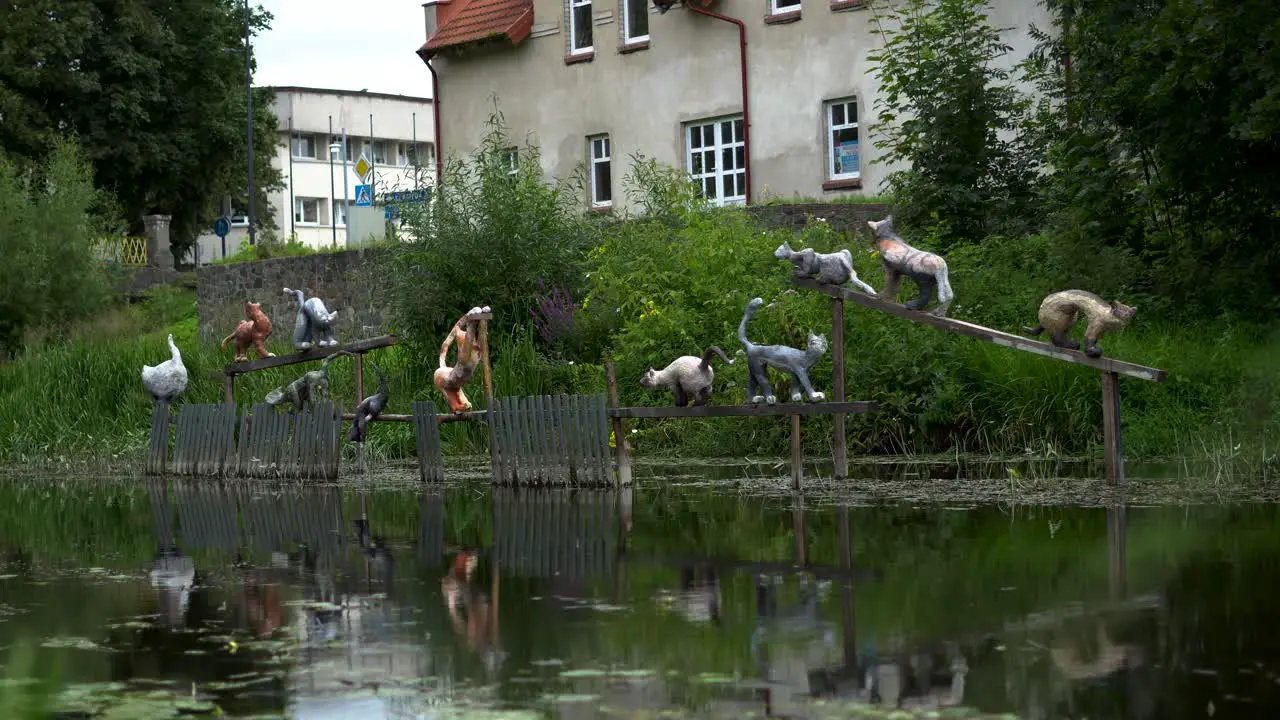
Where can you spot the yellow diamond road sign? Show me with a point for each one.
(363, 167)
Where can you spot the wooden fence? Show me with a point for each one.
(550, 440)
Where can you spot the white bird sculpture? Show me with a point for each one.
(166, 381)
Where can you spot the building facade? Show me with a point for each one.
(395, 134)
(594, 82)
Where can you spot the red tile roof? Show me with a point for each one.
(474, 20)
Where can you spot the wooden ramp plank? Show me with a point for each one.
(991, 335)
(761, 410)
(358, 347)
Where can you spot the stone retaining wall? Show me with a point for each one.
(338, 278)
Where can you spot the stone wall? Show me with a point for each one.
(337, 278)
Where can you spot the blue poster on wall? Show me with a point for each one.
(847, 157)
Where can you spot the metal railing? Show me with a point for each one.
(130, 251)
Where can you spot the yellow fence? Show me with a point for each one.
(122, 250)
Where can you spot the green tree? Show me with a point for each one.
(155, 92)
(495, 233)
(50, 215)
(951, 114)
(1164, 146)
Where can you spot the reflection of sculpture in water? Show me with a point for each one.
(451, 379)
(698, 599)
(1108, 657)
(908, 681)
(461, 594)
(261, 597)
(173, 574)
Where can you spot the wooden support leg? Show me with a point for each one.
(797, 456)
(621, 454)
(1112, 438)
(359, 378)
(488, 370)
(839, 450)
(229, 389)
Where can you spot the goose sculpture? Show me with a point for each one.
(166, 381)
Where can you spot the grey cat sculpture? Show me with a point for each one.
(314, 323)
(827, 268)
(795, 361)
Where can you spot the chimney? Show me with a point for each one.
(429, 12)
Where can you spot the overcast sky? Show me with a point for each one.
(344, 45)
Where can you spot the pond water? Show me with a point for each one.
(152, 598)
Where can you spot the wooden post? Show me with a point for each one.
(359, 378)
(619, 436)
(229, 389)
(488, 370)
(839, 450)
(1112, 440)
(797, 456)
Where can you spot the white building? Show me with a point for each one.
(393, 133)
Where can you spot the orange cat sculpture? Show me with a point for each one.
(253, 331)
(451, 379)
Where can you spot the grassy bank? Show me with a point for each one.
(661, 294)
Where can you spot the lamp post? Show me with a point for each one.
(334, 148)
(248, 116)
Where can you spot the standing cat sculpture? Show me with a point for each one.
(929, 271)
(314, 323)
(827, 268)
(312, 387)
(687, 376)
(1060, 310)
(788, 359)
(253, 331)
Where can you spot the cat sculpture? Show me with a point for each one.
(313, 324)
(1060, 310)
(253, 331)
(929, 271)
(827, 268)
(309, 389)
(686, 377)
(795, 361)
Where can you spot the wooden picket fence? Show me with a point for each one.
(551, 440)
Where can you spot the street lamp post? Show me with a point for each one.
(248, 116)
(334, 148)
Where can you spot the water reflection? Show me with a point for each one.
(384, 603)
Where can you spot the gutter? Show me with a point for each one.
(746, 108)
(435, 116)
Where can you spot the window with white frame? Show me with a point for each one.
(842, 140)
(379, 152)
(635, 20)
(512, 157)
(304, 147)
(580, 27)
(306, 211)
(717, 160)
(778, 7)
(601, 171)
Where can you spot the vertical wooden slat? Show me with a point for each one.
(158, 448)
(839, 447)
(557, 427)
(494, 418)
(797, 456)
(600, 424)
(542, 455)
(1112, 440)
(623, 457)
(523, 445)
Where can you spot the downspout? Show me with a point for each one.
(435, 114)
(693, 6)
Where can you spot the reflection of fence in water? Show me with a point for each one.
(556, 533)
(278, 519)
(217, 516)
(206, 516)
(431, 527)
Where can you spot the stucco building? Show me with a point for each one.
(595, 81)
(394, 133)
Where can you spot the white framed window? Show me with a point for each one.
(580, 40)
(340, 213)
(512, 157)
(379, 152)
(304, 147)
(717, 159)
(843, 161)
(635, 20)
(306, 211)
(778, 7)
(601, 171)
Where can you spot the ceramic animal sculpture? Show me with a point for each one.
(1060, 310)
(687, 376)
(314, 323)
(369, 408)
(168, 380)
(828, 268)
(928, 270)
(253, 331)
(450, 380)
(788, 359)
(312, 387)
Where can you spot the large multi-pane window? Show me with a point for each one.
(842, 140)
(717, 159)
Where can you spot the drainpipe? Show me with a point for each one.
(746, 108)
(435, 112)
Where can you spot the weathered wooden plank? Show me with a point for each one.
(1113, 441)
(573, 438)
(600, 427)
(359, 346)
(562, 433)
(472, 416)
(762, 410)
(158, 450)
(622, 457)
(991, 335)
(797, 454)
(521, 440)
(839, 446)
(427, 436)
